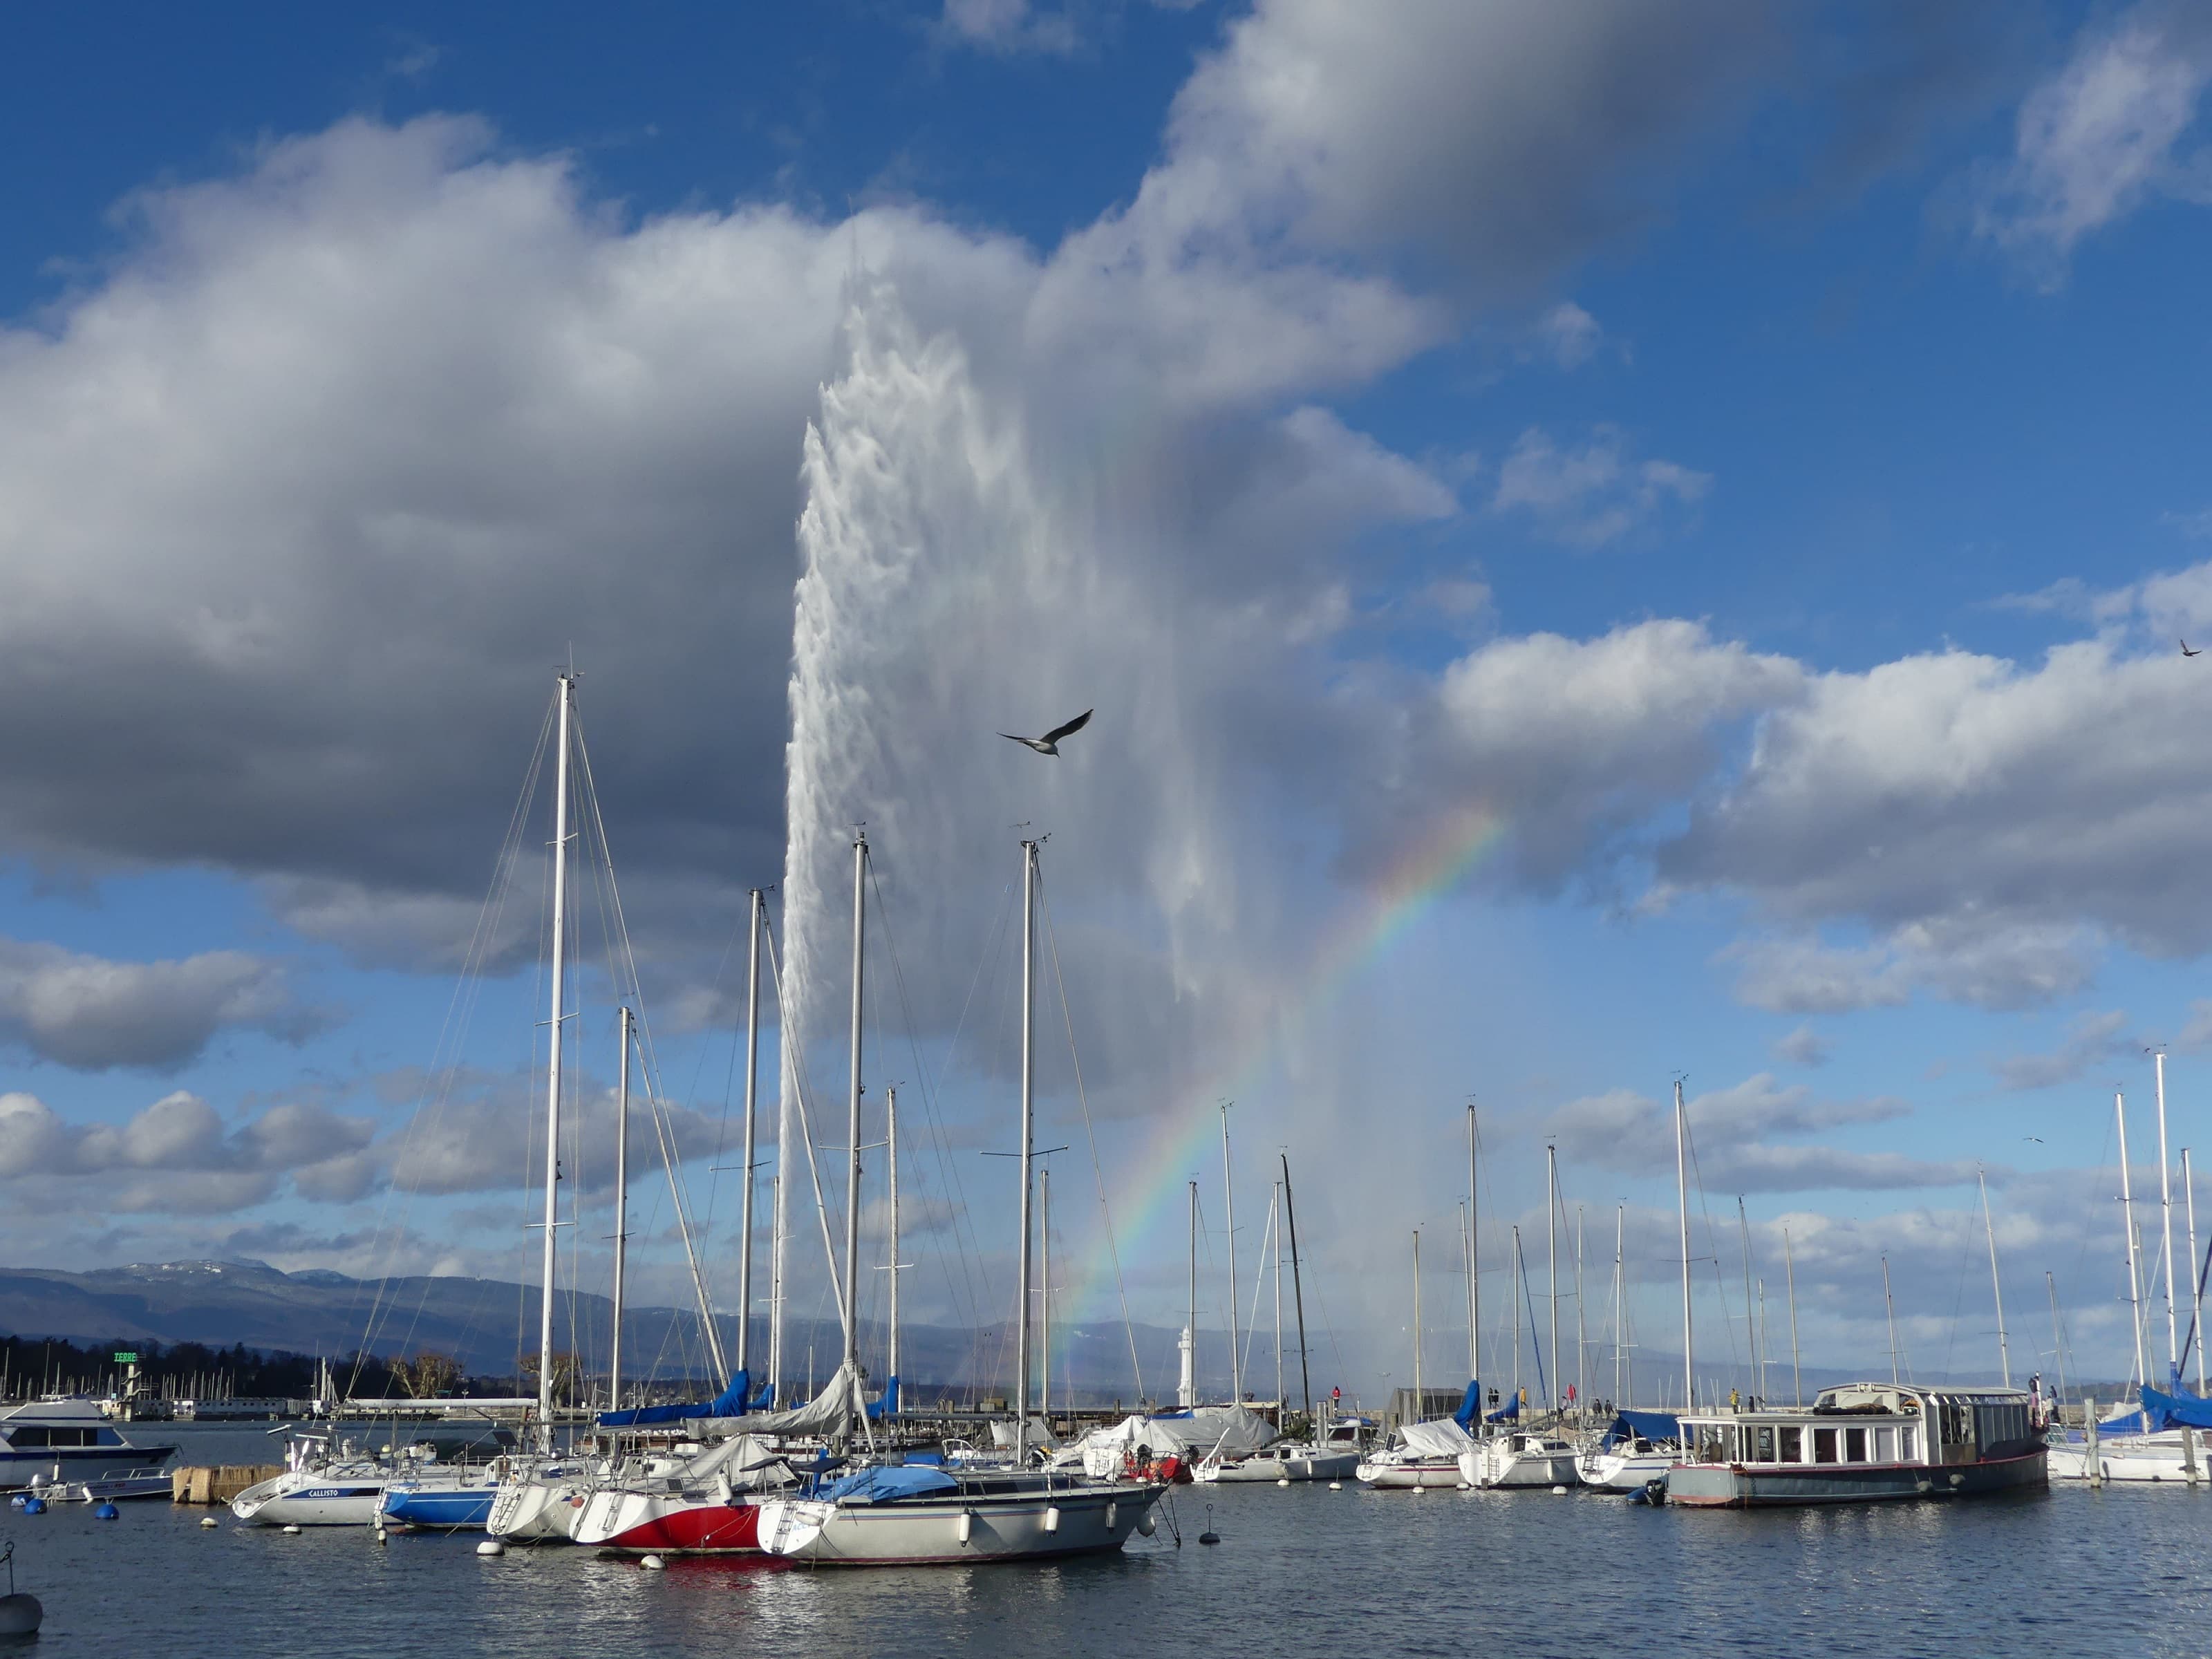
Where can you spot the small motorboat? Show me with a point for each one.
(106, 1488)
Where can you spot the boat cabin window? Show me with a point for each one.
(1885, 1445)
(1714, 1444)
(1854, 1445)
(1824, 1445)
(1907, 1449)
(1764, 1454)
(32, 1434)
(1790, 1442)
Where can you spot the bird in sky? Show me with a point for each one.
(1049, 743)
(2186, 652)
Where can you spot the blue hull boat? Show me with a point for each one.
(449, 1509)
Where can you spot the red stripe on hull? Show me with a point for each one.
(703, 1528)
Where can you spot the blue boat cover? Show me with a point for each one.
(1648, 1425)
(1508, 1412)
(1468, 1406)
(887, 1483)
(731, 1402)
(889, 1402)
(2161, 1411)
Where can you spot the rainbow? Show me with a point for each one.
(1185, 1138)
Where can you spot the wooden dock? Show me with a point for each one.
(219, 1484)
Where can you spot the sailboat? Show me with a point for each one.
(2164, 1439)
(1331, 1449)
(881, 1513)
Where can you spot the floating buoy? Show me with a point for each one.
(1209, 1536)
(654, 1563)
(1284, 1481)
(1418, 1490)
(207, 1521)
(491, 1546)
(18, 1501)
(106, 1512)
(1559, 1492)
(1336, 1485)
(19, 1615)
(291, 1530)
(35, 1506)
(1466, 1486)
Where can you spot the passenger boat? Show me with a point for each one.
(64, 1436)
(1860, 1443)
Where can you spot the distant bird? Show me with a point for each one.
(2038, 1140)
(2186, 652)
(1049, 743)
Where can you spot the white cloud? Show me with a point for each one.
(1010, 26)
(2092, 1039)
(1588, 495)
(94, 1013)
(2100, 137)
(1804, 1047)
(1567, 335)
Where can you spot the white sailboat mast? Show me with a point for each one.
(622, 1212)
(1518, 1282)
(1996, 1285)
(2196, 1297)
(1552, 1236)
(1187, 1392)
(1796, 1371)
(1275, 1232)
(1581, 1325)
(1229, 1220)
(2128, 1220)
(1044, 1295)
(1027, 1153)
(555, 1022)
(1682, 1191)
(1417, 1324)
(752, 1095)
(2165, 1218)
(1474, 1255)
(851, 1311)
(1621, 1389)
(891, 1136)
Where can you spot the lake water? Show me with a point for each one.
(1299, 1570)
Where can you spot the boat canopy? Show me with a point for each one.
(1232, 1431)
(1643, 1426)
(732, 1401)
(1508, 1412)
(2159, 1411)
(1440, 1436)
(887, 1483)
(1470, 1406)
(842, 1399)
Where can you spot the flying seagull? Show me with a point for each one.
(2186, 652)
(1049, 743)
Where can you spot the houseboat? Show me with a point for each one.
(1862, 1443)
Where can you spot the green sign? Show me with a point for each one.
(126, 1359)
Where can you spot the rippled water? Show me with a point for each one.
(1302, 1570)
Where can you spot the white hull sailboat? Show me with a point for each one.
(985, 1517)
(1520, 1460)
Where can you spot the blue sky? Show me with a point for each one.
(1745, 481)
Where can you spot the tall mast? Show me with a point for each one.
(1519, 1285)
(2128, 1214)
(1190, 1324)
(1796, 1371)
(1467, 1263)
(2057, 1337)
(553, 1024)
(1416, 1323)
(1889, 1305)
(1996, 1286)
(891, 1136)
(1582, 1327)
(1552, 1238)
(1474, 1253)
(2165, 1217)
(1229, 1205)
(1682, 1191)
(1028, 1153)
(622, 1212)
(1044, 1297)
(1297, 1292)
(1275, 1232)
(752, 1095)
(852, 1308)
(2196, 1273)
(1750, 1329)
(1621, 1389)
